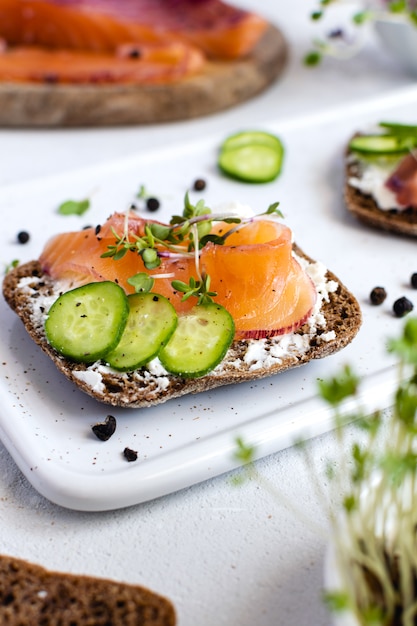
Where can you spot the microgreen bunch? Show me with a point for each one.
(375, 526)
(185, 236)
(338, 42)
(372, 503)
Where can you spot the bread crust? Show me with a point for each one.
(366, 210)
(143, 388)
(30, 594)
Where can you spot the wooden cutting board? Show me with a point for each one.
(221, 86)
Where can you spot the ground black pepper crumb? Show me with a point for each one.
(378, 295)
(98, 229)
(414, 280)
(152, 204)
(130, 455)
(23, 236)
(104, 430)
(135, 53)
(402, 306)
(199, 184)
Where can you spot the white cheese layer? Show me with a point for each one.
(371, 181)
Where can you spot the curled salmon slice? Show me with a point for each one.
(255, 275)
(403, 181)
(218, 29)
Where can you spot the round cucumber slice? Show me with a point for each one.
(87, 322)
(152, 320)
(396, 128)
(250, 137)
(380, 144)
(252, 163)
(251, 156)
(199, 342)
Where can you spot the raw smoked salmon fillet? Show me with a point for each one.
(91, 30)
(156, 65)
(220, 30)
(254, 273)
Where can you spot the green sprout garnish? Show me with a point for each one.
(197, 288)
(142, 282)
(340, 43)
(11, 266)
(74, 207)
(185, 236)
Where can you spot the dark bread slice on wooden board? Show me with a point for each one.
(365, 209)
(31, 595)
(332, 325)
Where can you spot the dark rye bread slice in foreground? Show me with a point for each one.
(143, 388)
(366, 210)
(31, 595)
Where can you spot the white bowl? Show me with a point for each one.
(399, 36)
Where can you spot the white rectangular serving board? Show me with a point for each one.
(45, 422)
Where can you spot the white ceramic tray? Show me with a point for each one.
(45, 422)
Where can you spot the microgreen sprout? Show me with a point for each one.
(74, 207)
(197, 288)
(142, 282)
(340, 43)
(11, 265)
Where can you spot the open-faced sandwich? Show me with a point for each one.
(136, 312)
(381, 178)
(151, 61)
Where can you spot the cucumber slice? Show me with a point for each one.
(380, 144)
(87, 322)
(252, 163)
(395, 128)
(152, 320)
(251, 156)
(250, 137)
(199, 342)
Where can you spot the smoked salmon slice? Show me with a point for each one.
(221, 31)
(255, 275)
(403, 181)
(156, 64)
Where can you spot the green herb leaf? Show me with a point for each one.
(150, 258)
(337, 389)
(142, 282)
(313, 58)
(74, 207)
(244, 453)
(11, 266)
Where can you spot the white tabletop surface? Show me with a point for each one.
(223, 553)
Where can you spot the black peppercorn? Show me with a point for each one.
(199, 184)
(130, 455)
(402, 306)
(152, 204)
(23, 236)
(414, 280)
(104, 430)
(378, 295)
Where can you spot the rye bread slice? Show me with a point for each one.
(335, 323)
(30, 594)
(366, 210)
